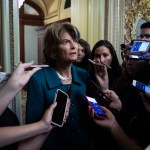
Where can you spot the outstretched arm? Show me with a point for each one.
(110, 123)
(15, 83)
(35, 143)
(9, 135)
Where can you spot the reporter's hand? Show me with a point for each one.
(47, 117)
(21, 76)
(109, 122)
(116, 103)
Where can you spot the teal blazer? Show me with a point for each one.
(40, 95)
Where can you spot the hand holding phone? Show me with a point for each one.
(140, 86)
(58, 117)
(99, 113)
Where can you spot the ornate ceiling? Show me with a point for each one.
(45, 5)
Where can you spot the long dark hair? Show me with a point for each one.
(116, 68)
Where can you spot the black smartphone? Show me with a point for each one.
(140, 86)
(99, 113)
(140, 46)
(59, 111)
(101, 98)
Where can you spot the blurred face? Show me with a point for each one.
(81, 54)
(68, 48)
(133, 66)
(145, 34)
(103, 55)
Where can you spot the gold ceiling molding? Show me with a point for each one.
(134, 11)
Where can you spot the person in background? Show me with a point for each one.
(104, 53)
(144, 35)
(133, 116)
(13, 136)
(61, 51)
(145, 31)
(84, 53)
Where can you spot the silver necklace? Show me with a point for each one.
(64, 78)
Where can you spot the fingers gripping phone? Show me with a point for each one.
(59, 112)
(99, 113)
(140, 86)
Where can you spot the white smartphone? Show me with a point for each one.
(140, 86)
(59, 112)
(40, 66)
(140, 46)
(98, 64)
(99, 113)
(139, 57)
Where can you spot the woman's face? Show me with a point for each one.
(81, 54)
(68, 48)
(103, 55)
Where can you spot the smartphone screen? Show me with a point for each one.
(97, 109)
(140, 46)
(142, 87)
(59, 111)
(139, 57)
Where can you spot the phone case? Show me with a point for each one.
(99, 113)
(140, 46)
(59, 112)
(142, 87)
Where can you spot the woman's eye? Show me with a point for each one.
(82, 50)
(65, 42)
(105, 55)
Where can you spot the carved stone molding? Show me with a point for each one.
(134, 11)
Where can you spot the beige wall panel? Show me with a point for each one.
(96, 21)
(51, 19)
(79, 14)
(64, 13)
(54, 7)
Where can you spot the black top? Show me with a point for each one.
(8, 118)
